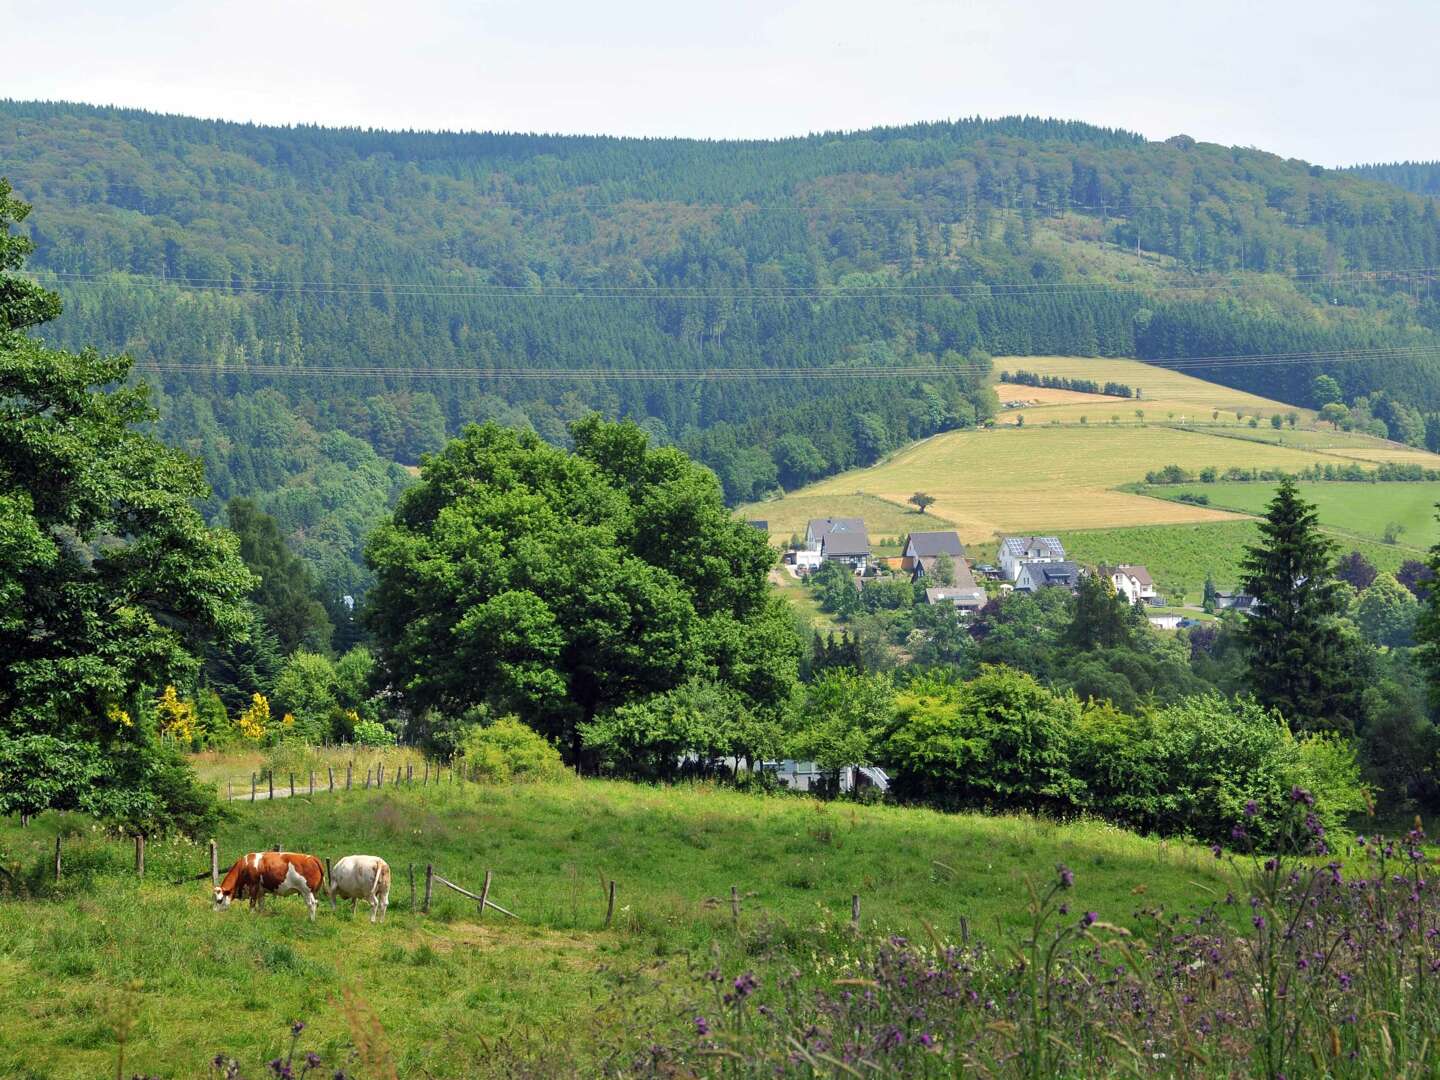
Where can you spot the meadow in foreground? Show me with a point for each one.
(555, 991)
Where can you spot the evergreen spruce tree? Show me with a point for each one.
(1427, 627)
(1300, 660)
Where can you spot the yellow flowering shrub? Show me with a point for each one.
(254, 722)
(175, 716)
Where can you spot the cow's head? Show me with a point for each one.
(222, 899)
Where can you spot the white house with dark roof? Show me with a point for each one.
(1133, 582)
(1047, 575)
(1016, 551)
(842, 540)
(928, 545)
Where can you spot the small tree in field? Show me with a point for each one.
(921, 500)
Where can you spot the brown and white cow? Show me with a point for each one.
(280, 872)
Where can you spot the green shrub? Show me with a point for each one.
(372, 733)
(508, 750)
(1001, 739)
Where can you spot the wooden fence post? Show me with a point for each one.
(735, 905)
(368, 771)
(380, 775)
(140, 855)
(425, 780)
(429, 886)
(57, 858)
(276, 847)
(855, 911)
(252, 787)
(270, 776)
(964, 930)
(348, 767)
(229, 791)
(610, 906)
(484, 894)
(312, 781)
(214, 864)
(330, 772)
(412, 888)
(329, 881)
(292, 785)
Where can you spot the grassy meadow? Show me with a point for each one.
(1359, 508)
(552, 992)
(1179, 556)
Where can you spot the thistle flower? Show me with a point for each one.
(1067, 876)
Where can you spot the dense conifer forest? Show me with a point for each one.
(316, 308)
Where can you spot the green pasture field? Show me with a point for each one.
(1360, 508)
(555, 993)
(1179, 556)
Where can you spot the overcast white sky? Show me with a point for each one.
(1333, 82)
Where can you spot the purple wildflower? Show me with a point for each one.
(1088, 919)
(1252, 808)
(702, 1026)
(1067, 876)
(1299, 795)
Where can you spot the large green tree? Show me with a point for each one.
(1301, 661)
(110, 580)
(559, 585)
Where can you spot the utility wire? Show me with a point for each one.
(613, 292)
(1076, 368)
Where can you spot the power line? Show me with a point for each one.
(618, 292)
(1076, 367)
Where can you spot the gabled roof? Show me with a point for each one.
(819, 528)
(964, 579)
(839, 542)
(1139, 573)
(1019, 545)
(1056, 573)
(925, 544)
(951, 594)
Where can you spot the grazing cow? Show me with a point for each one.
(278, 872)
(361, 877)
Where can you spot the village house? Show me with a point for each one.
(1241, 602)
(1047, 575)
(1133, 583)
(1017, 551)
(928, 545)
(842, 540)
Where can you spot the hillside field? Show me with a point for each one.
(1167, 395)
(457, 995)
(1180, 556)
(1359, 508)
(1035, 478)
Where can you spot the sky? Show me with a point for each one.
(1333, 83)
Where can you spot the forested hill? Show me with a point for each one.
(1421, 177)
(293, 287)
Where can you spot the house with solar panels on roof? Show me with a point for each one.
(1018, 551)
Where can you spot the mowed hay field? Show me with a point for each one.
(1051, 478)
(555, 993)
(1164, 391)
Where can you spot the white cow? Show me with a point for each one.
(361, 877)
